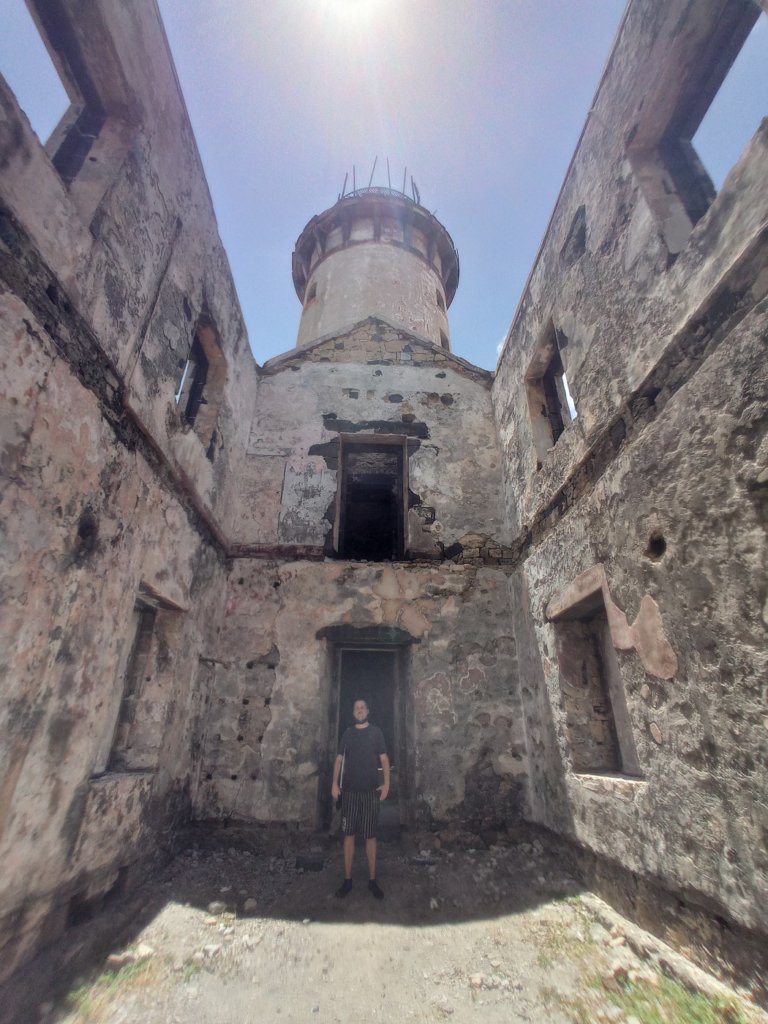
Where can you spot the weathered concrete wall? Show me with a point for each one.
(109, 496)
(269, 736)
(88, 526)
(660, 480)
(630, 547)
(373, 380)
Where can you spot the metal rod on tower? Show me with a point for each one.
(405, 171)
(370, 180)
(354, 186)
(344, 186)
(413, 191)
(389, 180)
(416, 190)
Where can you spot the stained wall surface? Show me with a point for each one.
(373, 279)
(272, 731)
(375, 380)
(657, 488)
(627, 544)
(110, 497)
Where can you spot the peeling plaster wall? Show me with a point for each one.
(698, 818)
(661, 480)
(454, 469)
(270, 721)
(107, 494)
(68, 595)
(657, 491)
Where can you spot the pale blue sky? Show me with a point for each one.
(482, 101)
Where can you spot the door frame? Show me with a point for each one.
(401, 721)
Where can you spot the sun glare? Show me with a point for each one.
(358, 13)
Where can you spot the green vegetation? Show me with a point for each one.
(667, 1002)
(90, 1001)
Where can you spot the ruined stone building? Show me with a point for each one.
(557, 620)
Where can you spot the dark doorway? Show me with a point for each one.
(371, 513)
(373, 674)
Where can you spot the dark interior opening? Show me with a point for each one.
(191, 389)
(371, 522)
(369, 676)
(374, 674)
(549, 382)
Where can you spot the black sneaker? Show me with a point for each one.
(375, 890)
(344, 888)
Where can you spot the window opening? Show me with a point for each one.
(444, 340)
(30, 72)
(667, 164)
(440, 299)
(598, 729)
(550, 402)
(740, 103)
(551, 384)
(569, 398)
(144, 618)
(371, 520)
(190, 392)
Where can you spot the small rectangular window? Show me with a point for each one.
(550, 403)
(144, 617)
(371, 509)
(190, 392)
(599, 735)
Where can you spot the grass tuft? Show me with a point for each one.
(90, 1002)
(666, 1002)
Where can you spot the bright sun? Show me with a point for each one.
(354, 12)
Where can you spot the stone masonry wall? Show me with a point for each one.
(270, 738)
(657, 487)
(108, 496)
(404, 387)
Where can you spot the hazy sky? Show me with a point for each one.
(482, 100)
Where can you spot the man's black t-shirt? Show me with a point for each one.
(362, 749)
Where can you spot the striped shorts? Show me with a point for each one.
(360, 813)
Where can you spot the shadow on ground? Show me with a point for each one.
(265, 873)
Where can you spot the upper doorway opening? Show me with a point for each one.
(371, 501)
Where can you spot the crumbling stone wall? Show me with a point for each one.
(373, 381)
(659, 481)
(109, 497)
(465, 733)
(647, 511)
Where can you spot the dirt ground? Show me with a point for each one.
(253, 933)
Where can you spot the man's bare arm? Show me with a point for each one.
(336, 773)
(384, 789)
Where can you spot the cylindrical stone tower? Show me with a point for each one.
(375, 253)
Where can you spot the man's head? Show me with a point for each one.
(360, 712)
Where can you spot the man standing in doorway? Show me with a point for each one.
(361, 751)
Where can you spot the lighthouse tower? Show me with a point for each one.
(376, 252)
